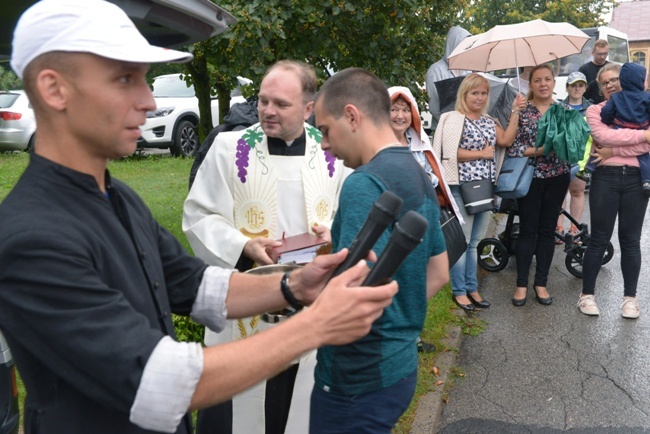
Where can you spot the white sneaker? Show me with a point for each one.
(630, 308)
(587, 305)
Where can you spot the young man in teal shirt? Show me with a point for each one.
(364, 387)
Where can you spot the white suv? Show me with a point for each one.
(173, 124)
(17, 122)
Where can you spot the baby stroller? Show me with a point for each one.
(494, 253)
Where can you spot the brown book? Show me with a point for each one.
(298, 249)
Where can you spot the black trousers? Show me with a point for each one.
(538, 212)
(615, 193)
(279, 389)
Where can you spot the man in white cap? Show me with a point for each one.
(88, 279)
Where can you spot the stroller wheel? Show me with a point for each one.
(492, 254)
(574, 259)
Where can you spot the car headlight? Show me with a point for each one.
(160, 112)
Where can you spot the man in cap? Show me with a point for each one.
(440, 71)
(88, 279)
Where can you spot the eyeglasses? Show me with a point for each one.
(612, 81)
(601, 54)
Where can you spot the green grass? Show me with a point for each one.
(440, 316)
(162, 183)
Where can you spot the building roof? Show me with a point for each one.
(633, 18)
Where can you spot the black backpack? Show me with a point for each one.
(240, 116)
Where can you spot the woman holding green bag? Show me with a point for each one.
(539, 209)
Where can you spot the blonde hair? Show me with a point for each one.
(472, 81)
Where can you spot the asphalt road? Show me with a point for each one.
(547, 369)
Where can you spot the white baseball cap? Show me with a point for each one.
(575, 77)
(85, 26)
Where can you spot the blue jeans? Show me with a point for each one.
(538, 213)
(615, 192)
(463, 273)
(368, 413)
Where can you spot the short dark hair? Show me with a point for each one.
(600, 43)
(305, 71)
(360, 88)
(60, 61)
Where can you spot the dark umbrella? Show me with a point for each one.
(501, 96)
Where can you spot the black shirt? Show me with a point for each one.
(593, 93)
(279, 146)
(87, 287)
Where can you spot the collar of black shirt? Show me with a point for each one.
(279, 146)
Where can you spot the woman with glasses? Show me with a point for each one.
(615, 193)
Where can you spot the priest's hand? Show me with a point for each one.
(255, 249)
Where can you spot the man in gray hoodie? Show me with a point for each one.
(440, 71)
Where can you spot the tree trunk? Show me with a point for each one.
(199, 70)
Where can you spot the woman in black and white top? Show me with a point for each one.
(465, 141)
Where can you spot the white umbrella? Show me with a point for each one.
(513, 45)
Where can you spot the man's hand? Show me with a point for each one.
(345, 312)
(601, 153)
(256, 249)
(307, 282)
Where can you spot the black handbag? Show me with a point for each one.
(453, 233)
(452, 230)
(478, 196)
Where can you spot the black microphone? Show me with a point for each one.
(406, 236)
(382, 214)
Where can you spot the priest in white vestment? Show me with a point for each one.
(254, 186)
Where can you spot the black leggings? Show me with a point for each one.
(538, 212)
(615, 191)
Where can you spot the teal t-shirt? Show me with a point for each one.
(388, 353)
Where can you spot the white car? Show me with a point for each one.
(173, 124)
(17, 122)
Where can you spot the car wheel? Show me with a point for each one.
(186, 142)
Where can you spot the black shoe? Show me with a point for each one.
(545, 301)
(584, 175)
(646, 189)
(425, 347)
(483, 303)
(466, 307)
(519, 302)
